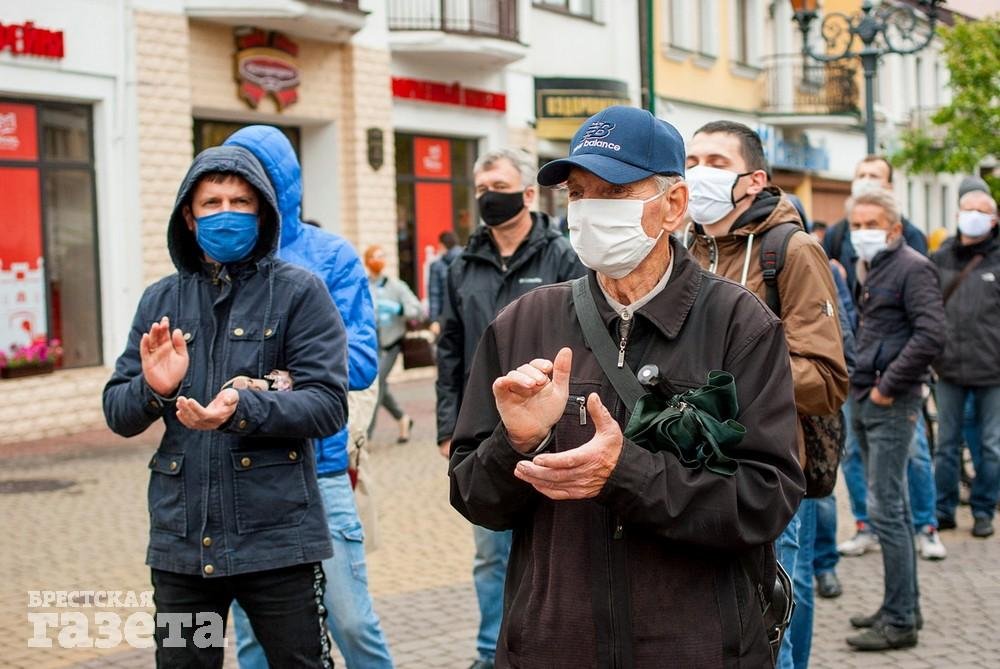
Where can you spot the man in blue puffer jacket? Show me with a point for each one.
(352, 620)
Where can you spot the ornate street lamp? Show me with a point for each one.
(891, 27)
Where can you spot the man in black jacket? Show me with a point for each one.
(969, 265)
(901, 332)
(514, 252)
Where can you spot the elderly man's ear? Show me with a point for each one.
(674, 206)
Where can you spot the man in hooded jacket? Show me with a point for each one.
(351, 616)
(235, 511)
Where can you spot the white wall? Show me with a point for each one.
(96, 70)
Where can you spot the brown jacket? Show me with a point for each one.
(648, 573)
(808, 297)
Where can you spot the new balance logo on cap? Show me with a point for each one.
(595, 135)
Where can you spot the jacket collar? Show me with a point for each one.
(482, 247)
(669, 310)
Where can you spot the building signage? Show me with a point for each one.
(448, 94)
(562, 104)
(28, 40)
(266, 65)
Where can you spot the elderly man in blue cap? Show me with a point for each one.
(609, 534)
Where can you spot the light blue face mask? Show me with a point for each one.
(227, 236)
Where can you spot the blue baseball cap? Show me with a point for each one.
(620, 145)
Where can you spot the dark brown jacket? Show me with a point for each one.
(648, 573)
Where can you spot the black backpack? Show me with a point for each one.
(824, 435)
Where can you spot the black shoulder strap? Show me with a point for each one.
(601, 344)
(772, 260)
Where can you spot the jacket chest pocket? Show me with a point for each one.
(253, 346)
(576, 427)
(166, 495)
(269, 488)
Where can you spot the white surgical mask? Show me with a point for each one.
(864, 186)
(711, 193)
(974, 223)
(608, 234)
(868, 243)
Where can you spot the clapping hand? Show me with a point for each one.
(164, 358)
(530, 402)
(193, 415)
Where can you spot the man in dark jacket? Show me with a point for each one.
(901, 332)
(610, 537)
(516, 251)
(235, 511)
(437, 281)
(969, 265)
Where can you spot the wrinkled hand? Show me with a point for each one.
(879, 399)
(196, 417)
(581, 472)
(529, 402)
(445, 449)
(164, 357)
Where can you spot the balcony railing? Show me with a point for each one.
(346, 4)
(797, 87)
(486, 18)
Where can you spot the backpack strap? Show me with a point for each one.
(772, 260)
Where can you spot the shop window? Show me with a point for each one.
(49, 277)
(583, 8)
(434, 193)
(209, 133)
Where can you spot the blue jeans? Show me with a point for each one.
(952, 402)
(350, 616)
(797, 643)
(786, 549)
(971, 431)
(885, 435)
(489, 571)
(919, 469)
(825, 555)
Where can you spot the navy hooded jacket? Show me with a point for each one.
(328, 256)
(244, 497)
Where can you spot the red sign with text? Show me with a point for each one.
(28, 40)
(18, 132)
(431, 160)
(448, 94)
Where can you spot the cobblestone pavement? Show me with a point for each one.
(74, 515)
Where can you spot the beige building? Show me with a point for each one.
(177, 76)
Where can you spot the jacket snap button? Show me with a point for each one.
(245, 462)
(173, 465)
(243, 423)
(238, 332)
(187, 336)
(207, 541)
(268, 332)
(293, 455)
(209, 569)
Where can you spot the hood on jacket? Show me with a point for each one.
(271, 147)
(184, 250)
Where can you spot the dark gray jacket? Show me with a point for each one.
(971, 354)
(901, 324)
(244, 497)
(479, 286)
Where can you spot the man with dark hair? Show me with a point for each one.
(734, 210)
(234, 504)
(437, 281)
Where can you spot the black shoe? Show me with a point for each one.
(481, 664)
(828, 585)
(405, 427)
(946, 523)
(883, 636)
(982, 527)
(864, 622)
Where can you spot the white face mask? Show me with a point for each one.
(864, 186)
(608, 234)
(974, 223)
(868, 243)
(711, 193)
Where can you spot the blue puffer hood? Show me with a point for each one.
(184, 250)
(276, 154)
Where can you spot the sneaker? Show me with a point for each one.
(929, 544)
(982, 526)
(865, 540)
(864, 622)
(883, 636)
(946, 523)
(828, 585)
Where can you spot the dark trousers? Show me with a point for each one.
(387, 358)
(284, 607)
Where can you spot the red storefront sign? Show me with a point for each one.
(448, 94)
(431, 160)
(18, 132)
(265, 64)
(27, 40)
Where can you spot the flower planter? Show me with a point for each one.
(33, 369)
